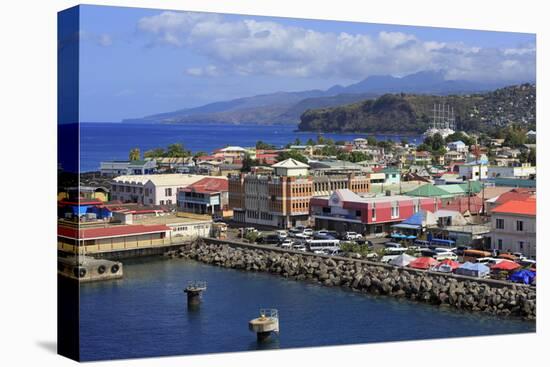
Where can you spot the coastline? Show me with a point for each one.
(458, 293)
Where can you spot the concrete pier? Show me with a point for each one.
(194, 291)
(89, 269)
(266, 324)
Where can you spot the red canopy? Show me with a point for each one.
(451, 263)
(506, 266)
(423, 263)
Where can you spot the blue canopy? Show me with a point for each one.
(406, 226)
(416, 219)
(522, 276)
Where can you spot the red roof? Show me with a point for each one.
(461, 204)
(81, 201)
(506, 266)
(208, 185)
(453, 264)
(114, 231)
(523, 207)
(515, 194)
(423, 263)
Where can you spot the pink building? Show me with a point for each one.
(347, 211)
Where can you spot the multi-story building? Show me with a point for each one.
(344, 210)
(206, 196)
(513, 227)
(150, 189)
(281, 199)
(473, 171)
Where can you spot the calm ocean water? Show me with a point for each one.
(113, 141)
(145, 314)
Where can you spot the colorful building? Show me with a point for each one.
(346, 211)
(513, 226)
(206, 196)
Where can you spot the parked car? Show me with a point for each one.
(394, 250)
(287, 244)
(282, 234)
(308, 232)
(392, 245)
(372, 256)
(299, 247)
(352, 236)
(446, 255)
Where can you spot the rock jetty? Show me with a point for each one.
(469, 294)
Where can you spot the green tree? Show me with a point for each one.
(532, 157)
(291, 154)
(199, 154)
(261, 145)
(515, 136)
(135, 154)
(371, 140)
(404, 141)
(177, 150)
(248, 163)
(310, 142)
(460, 136)
(155, 153)
(297, 141)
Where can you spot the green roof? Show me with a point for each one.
(455, 189)
(431, 191)
(473, 187)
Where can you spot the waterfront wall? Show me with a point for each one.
(458, 292)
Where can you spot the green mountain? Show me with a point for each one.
(412, 113)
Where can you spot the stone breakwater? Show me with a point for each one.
(496, 298)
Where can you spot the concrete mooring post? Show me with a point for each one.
(267, 323)
(194, 291)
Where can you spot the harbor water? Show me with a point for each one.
(146, 314)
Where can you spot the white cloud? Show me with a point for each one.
(266, 47)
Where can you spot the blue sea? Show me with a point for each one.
(145, 314)
(113, 141)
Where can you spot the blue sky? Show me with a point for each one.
(136, 62)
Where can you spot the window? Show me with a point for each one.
(519, 226)
(520, 243)
(168, 202)
(168, 192)
(499, 242)
(358, 213)
(162, 202)
(395, 209)
(373, 211)
(500, 223)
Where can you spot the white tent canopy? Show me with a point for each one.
(402, 260)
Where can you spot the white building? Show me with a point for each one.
(114, 168)
(523, 171)
(457, 146)
(290, 168)
(151, 189)
(513, 227)
(473, 171)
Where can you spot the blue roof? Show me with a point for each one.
(416, 219)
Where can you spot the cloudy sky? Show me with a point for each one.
(136, 62)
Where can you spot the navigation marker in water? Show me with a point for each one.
(194, 291)
(267, 323)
